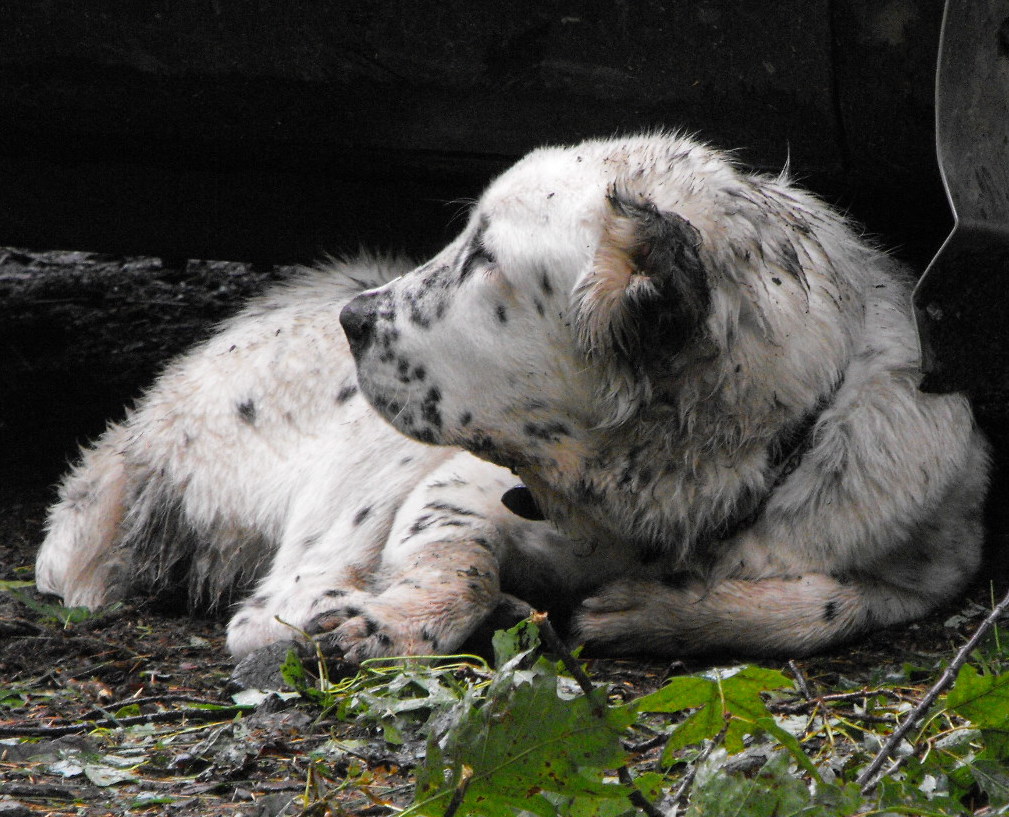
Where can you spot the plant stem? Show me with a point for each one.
(554, 644)
(871, 775)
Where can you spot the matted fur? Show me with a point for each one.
(705, 378)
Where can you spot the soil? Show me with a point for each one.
(130, 711)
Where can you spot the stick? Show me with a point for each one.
(870, 776)
(466, 775)
(222, 714)
(554, 644)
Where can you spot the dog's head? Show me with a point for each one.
(610, 291)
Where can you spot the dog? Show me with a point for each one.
(676, 398)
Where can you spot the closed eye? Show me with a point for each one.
(479, 256)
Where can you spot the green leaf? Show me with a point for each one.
(51, 612)
(525, 741)
(993, 779)
(515, 643)
(718, 695)
(982, 699)
(294, 675)
(788, 740)
(772, 792)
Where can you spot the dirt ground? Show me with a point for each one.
(131, 711)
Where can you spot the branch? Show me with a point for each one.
(871, 775)
(224, 713)
(554, 644)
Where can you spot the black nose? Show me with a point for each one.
(358, 321)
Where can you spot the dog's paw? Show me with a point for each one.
(366, 626)
(623, 617)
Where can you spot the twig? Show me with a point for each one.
(48, 792)
(688, 778)
(224, 713)
(800, 681)
(554, 644)
(466, 775)
(870, 776)
(636, 797)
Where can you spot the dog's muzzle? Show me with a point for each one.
(358, 321)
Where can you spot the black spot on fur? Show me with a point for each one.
(334, 593)
(420, 524)
(345, 394)
(247, 411)
(501, 313)
(448, 508)
(418, 318)
(550, 432)
(830, 611)
(361, 515)
(310, 542)
(790, 261)
(539, 307)
(465, 419)
(370, 626)
(776, 280)
(425, 435)
(419, 373)
(429, 407)
(545, 285)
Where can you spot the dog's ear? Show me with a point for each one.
(647, 294)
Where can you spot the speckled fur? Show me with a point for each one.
(634, 327)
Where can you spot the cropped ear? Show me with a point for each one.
(647, 294)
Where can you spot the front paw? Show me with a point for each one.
(358, 631)
(626, 617)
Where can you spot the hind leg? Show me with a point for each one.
(75, 561)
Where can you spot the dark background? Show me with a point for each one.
(275, 131)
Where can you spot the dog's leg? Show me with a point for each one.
(423, 590)
(440, 572)
(75, 561)
(773, 616)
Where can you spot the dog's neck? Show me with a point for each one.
(723, 488)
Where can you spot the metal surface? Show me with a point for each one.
(960, 303)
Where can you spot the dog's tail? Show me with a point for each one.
(76, 560)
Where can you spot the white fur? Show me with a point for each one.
(552, 338)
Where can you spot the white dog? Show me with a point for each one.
(704, 380)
